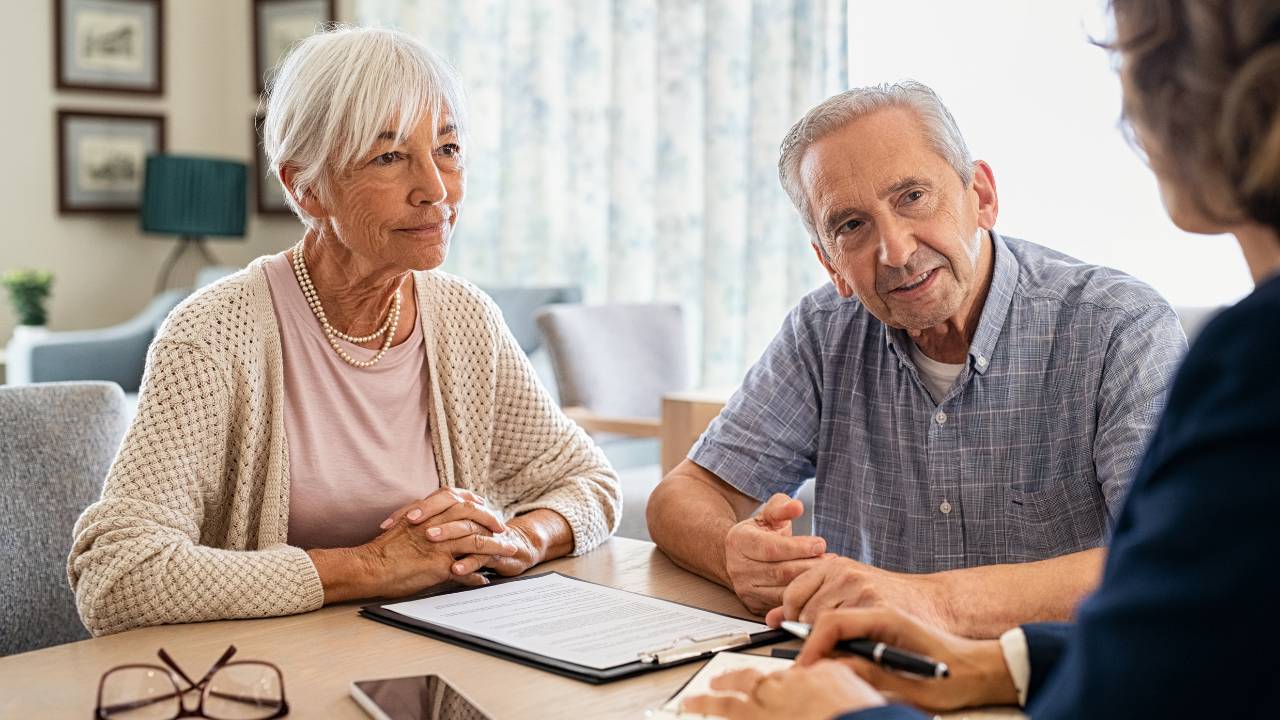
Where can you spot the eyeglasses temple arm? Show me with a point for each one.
(231, 650)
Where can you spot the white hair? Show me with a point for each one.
(337, 90)
(839, 110)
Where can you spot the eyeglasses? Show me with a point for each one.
(243, 690)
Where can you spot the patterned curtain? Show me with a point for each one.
(630, 146)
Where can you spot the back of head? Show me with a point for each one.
(337, 90)
(1202, 92)
(839, 110)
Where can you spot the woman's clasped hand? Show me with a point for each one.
(448, 535)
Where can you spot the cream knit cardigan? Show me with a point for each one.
(194, 517)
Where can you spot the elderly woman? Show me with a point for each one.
(1184, 622)
(340, 420)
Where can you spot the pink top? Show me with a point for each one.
(359, 438)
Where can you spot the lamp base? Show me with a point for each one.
(185, 242)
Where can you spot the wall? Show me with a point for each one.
(105, 269)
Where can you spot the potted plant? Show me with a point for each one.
(28, 289)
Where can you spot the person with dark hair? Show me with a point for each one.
(1184, 623)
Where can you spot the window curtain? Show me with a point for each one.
(630, 147)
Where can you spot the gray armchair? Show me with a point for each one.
(519, 305)
(114, 354)
(57, 441)
(613, 364)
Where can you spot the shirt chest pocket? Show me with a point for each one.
(1064, 513)
(1053, 504)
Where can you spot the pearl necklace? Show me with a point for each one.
(331, 333)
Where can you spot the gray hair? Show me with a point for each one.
(337, 90)
(839, 110)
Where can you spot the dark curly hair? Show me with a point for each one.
(1202, 89)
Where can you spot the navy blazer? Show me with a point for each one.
(1186, 622)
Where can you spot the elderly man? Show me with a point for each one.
(972, 406)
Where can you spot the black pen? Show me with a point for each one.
(880, 653)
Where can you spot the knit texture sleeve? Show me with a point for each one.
(542, 459)
(144, 554)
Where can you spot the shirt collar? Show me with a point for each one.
(1004, 278)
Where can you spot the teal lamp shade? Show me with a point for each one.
(194, 196)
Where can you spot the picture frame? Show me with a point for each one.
(269, 195)
(109, 46)
(278, 25)
(102, 157)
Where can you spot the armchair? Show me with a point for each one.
(116, 354)
(613, 364)
(56, 444)
(519, 305)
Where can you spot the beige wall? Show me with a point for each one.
(105, 269)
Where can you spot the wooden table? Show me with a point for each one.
(322, 652)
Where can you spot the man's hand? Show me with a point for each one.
(978, 676)
(762, 557)
(817, 692)
(835, 582)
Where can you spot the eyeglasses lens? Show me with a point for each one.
(244, 691)
(139, 694)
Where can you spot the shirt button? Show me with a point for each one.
(982, 361)
(940, 418)
(945, 507)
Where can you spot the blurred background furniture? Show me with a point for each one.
(115, 354)
(686, 415)
(193, 198)
(1194, 318)
(57, 441)
(613, 364)
(519, 306)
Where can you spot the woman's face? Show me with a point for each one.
(398, 204)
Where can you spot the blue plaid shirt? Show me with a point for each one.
(1028, 456)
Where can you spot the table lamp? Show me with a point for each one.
(192, 197)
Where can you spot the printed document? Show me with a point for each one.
(700, 684)
(572, 620)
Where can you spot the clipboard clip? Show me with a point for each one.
(685, 647)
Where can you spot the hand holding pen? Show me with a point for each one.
(953, 672)
(879, 653)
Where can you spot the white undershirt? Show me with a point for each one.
(938, 377)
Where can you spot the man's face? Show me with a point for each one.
(900, 228)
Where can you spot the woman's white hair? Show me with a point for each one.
(839, 110)
(337, 90)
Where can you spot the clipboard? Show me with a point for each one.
(669, 653)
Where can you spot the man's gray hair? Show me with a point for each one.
(839, 110)
(337, 90)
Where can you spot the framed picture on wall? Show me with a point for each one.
(270, 195)
(111, 45)
(101, 159)
(277, 25)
